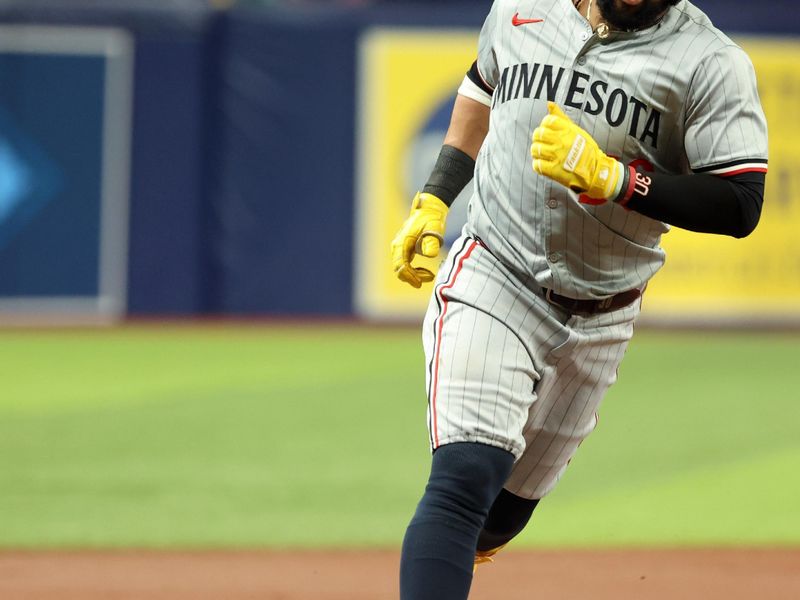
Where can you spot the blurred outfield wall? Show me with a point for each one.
(271, 154)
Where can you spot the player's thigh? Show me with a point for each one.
(479, 375)
(569, 394)
(480, 380)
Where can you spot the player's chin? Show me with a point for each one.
(632, 14)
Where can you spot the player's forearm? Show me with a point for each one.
(456, 163)
(469, 125)
(703, 203)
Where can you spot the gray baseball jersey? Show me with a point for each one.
(504, 366)
(677, 97)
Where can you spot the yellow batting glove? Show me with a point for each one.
(422, 233)
(567, 154)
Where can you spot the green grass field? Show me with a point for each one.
(257, 436)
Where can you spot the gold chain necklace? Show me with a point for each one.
(602, 28)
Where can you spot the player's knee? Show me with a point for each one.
(508, 517)
(465, 479)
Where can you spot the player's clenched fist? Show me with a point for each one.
(422, 233)
(567, 154)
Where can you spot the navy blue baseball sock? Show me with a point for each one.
(439, 546)
(507, 517)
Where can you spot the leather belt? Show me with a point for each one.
(587, 308)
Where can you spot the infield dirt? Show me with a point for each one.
(517, 575)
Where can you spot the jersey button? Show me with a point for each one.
(582, 60)
(553, 257)
(552, 203)
(584, 36)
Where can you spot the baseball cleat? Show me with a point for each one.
(485, 556)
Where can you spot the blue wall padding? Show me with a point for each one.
(283, 192)
(283, 196)
(167, 266)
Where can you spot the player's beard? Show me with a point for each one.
(622, 16)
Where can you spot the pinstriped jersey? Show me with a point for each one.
(677, 97)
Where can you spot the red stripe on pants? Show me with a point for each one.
(438, 339)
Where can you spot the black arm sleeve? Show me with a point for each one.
(704, 203)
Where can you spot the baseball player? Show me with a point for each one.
(638, 115)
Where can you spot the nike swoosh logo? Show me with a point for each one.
(516, 21)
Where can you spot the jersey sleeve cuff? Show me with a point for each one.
(734, 167)
(478, 79)
(472, 91)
